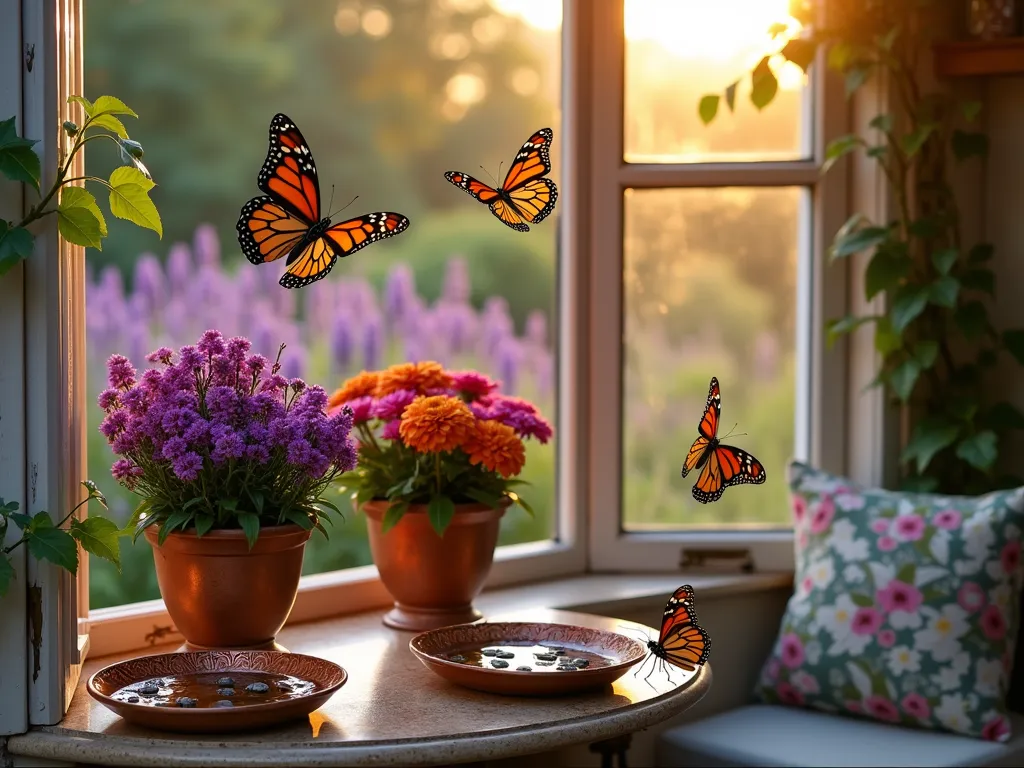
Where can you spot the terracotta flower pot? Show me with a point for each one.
(433, 579)
(221, 594)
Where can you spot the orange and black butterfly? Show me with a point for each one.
(720, 465)
(286, 220)
(682, 642)
(524, 196)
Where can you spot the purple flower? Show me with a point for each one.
(149, 282)
(399, 292)
(187, 466)
(211, 343)
(180, 270)
(229, 445)
(373, 341)
(390, 430)
(456, 281)
(207, 246)
(391, 406)
(161, 355)
(108, 399)
(175, 447)
(342, 340)
(515, 412)
(537, 328)
(293, 362)
(509, 357)
(121, 373)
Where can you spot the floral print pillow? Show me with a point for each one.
(906, 607)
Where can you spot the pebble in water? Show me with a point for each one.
(133, 699)
(225, 691)
(457, 657)
(223, 703)
(498, 663)
(257, 687)
(185, 701)
(489, 652)
(545, 656)
(546, 663)
(580, 663)
(225, 682)
(149, 689)
(524, 669)
(567, 668)
(506, 655)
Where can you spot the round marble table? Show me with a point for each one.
(392, 711)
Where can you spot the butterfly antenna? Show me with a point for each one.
(493, 180)
(731, 434)
(634, 629)
(332, 198)
(346, 205)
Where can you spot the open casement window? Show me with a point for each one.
(708, 248)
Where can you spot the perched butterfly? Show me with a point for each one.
(720, 465)
(286, 221)
(682, 641)
(524, 196)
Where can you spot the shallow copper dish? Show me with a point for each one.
(431, 648)
(327, 677)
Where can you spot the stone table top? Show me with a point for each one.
(392, 711)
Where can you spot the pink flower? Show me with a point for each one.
(806, 585)
(866, 621)
(993, 623)
(823, 515)
(886, 638)
(362, 409)
(472, 384)
(971, 597)
(773, 669)
(788, 694)
(1010, 556)
(791, 650)
(854, 706)
(886, 543)
(916, 705)
(996, 729)
(805, 683)
(802, 539)
(390, 430)
(881, 708)
(881, 525)
(899, 596)
(909, 527)
(799, 509)
(948, 519)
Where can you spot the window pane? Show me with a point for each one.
(677, 51)
(389, 94)
(710, 290)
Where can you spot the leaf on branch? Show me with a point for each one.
(929, 437)
(913, 141)
(80, 226)
(972, 320)
(250, 526)
(78, 197)
(86, 104)
(908, 305)
(904, 377)
(843, 325)
(858, 240)
(881, 123)
(6, 574)
(885, 271)
(800, 51)
(840, 147)
(926, 352)
(129, 199)
(111, 123)
(966, 144)
(856, 76)
(204, 522)
(393, 514)
(20, 163)
(98, 536)
(1013, 340)
(944, 260)
(944, 291)
(764, 85)
(887, 340)
(110, 105)
(708, 108)
(980, 450)
(440, 511)
(730, 95)
(15, 245)
(971, 110)
(52, 544)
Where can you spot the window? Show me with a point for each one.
(706, 240)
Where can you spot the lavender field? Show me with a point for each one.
(332, 329)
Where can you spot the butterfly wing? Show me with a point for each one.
(314, 261)
(687, 646)
(506, 213)
(709, 486)
(531, 162)
(738, 466)
(535, 200)
(678, 611)
(707, 429)
(288, 174)
(266, 231)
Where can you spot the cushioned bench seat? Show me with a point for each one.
(763, 735)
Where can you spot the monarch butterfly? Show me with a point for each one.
(682, 642)
(720, 465)
(524, 196)
(286, 220)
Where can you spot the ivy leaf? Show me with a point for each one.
(980, 450)
(887, 340)
(129, 199)
(110, 105)
(250, 525)
(80, 226)
(98, 536)
(925, 352)
(730, 95)
(858, 240)
(1014, 342)
(840, 147)
(885, 271)
(882, 123)
(972, 319)
(944, 260)
(843, 325)
(393, 514)
(908, 305)
(20, 163)
(15, 245)
(440, 511)
(965, 144)
(708, 108)
(855, 77)
(800, 52)
(980, 253)
(930, 436)
(764, 85)
(47, 542)
(913, 141)
(1005, 415)
(983, 280)
(904, 377)
(944, 291)
(971, 110)
(6, 574)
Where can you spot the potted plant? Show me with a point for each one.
(438, 452)
(231, 460)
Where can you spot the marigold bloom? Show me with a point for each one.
(360, 385)
(419, 377)
(497, 447)
(436, 424)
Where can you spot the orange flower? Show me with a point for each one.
(419, 377)
(435, 424)
(496, 446)
(360, 385)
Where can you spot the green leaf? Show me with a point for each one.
(926, 352)
(228, 505)
(864, 601)
(885, 271)
(913, 141)
(972, 319)
(440, 511)
(919, 484)
(909, 303)
(930, 436)
(858, 240)
(925, 227)
(15, 246)
(944, 260)
(46, 542)
(983, 280)
(250, 525)
(842, 325)
(1013, 340)
(840, 147)
(882, 123)
(971, 110)
(855, 77)
(980, 450)
(965, 144)
(800, 51)
(19, 163)
(708, 108)
(904, 377)
(764, 85)
(111, 123)
(944, 291)
(1006, 416)
(142, 525)
(177, 519)
(980, 253)
(112, 106)
(204, 522)
(23, 521)
(906, 573)
(86, 104)
(98, 536)
(301, 519)
(887, 340)
(129, 199)
(522, 503)
(730, 95)
(80, 226)
(393, 514)
(6, 574)
(492, 500)
(257, 499)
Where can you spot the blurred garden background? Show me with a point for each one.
(390, 94)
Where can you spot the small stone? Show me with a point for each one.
(581, 663)
(506, 655)
(546, 657)
(185, 701)
(546, 663)
(223, 703)
(489, 651)
(257, 687)
(133, 699)
(225, 691)
(498, 663)
(457, 657)
(226, 682)
(567, 668)
(524, 669)
(149, 689)
(556, 649)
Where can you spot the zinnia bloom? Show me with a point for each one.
(495, 446)
(436, 424)
(360, 385)
(420, 377)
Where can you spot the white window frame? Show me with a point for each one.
(822, 373)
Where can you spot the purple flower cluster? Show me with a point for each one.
(213, 413)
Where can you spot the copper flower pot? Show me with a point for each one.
(221, 594)
(433, 579)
